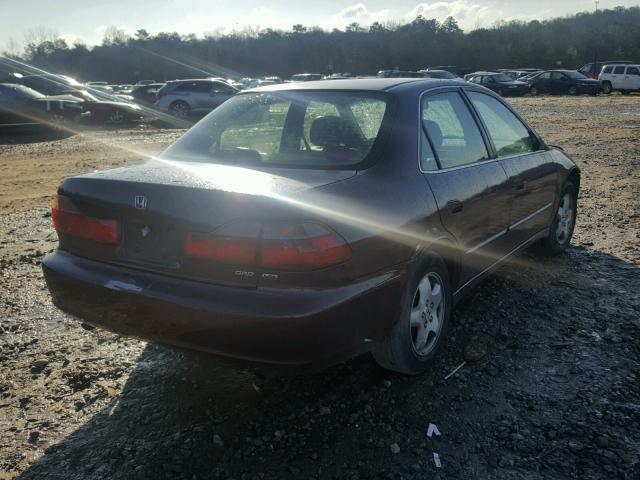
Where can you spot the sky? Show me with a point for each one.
(87, 20)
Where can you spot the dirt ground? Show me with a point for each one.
(556, 394)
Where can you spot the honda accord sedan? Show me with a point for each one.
(301, 224)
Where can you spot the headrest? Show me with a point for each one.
(328, 131)
(434, 132)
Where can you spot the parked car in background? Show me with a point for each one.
(145, 82)
(146, 94)
(306, 77)
(273, 79)
(621, 78)
(104, 107)
(500, 83)
(21, 106)
(559, 82)
(182, 98)
(256, 235)
(593, 69)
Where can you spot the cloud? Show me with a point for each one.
(468, 14)
(70, 38)
(358, 13)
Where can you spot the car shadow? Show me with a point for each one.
(31, 134)
(182, 415)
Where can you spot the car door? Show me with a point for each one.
(617, 77)
(471, 190)
(543, 83)
(533, 179)
(218, 93)
(559, 83)
(632, 78)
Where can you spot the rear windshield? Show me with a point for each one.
(297, 129)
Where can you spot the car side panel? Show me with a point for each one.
(534, 179)
(480, 226)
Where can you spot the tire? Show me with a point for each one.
(180, 109)
(560, 234)
(533, 91)
(625, 92)
(116, 116)
(412, 346)
(573, 90)
(607, 88)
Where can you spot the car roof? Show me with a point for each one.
(371, 84)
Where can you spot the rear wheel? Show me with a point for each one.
(180, 110)
(564, 221)
(607, 88)
(534, 91)
(573, 90)
(420, 332)
(625, 92)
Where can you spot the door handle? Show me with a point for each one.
(454, 206)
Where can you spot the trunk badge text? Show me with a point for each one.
(140, 202)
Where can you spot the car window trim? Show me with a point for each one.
(493, 147)
(437, 91)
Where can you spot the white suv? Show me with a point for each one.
(624, 78)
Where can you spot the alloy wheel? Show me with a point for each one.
(180, 110)
(427, 313)
(564, 218)
(116, 116)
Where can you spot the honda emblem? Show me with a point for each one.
(140, 202)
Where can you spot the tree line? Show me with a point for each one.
(120, 58)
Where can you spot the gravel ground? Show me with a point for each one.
(550, 389)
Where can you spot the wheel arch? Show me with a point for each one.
(447, 249)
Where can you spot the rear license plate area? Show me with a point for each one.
(151, 242)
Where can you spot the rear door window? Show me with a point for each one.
(633, 71)
(619, 70)
(452, 130)
(508, 134)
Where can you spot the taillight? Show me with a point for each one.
(305, 246)
(235, 244)
(67, 220)
(289, 247)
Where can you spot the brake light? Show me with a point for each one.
(235, 244)
(67, 220)
(305, 246)
(292, 247)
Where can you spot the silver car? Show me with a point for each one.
(181, 98)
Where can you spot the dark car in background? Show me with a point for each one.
(182, 98)
(563, 82)
(146, 94)
(21, 106)
(500, 83)
(103, 107)
(256, 236)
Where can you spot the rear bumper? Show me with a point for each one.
(274, 326)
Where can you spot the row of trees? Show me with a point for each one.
(568, 41)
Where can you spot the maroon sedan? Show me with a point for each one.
(302, 224)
